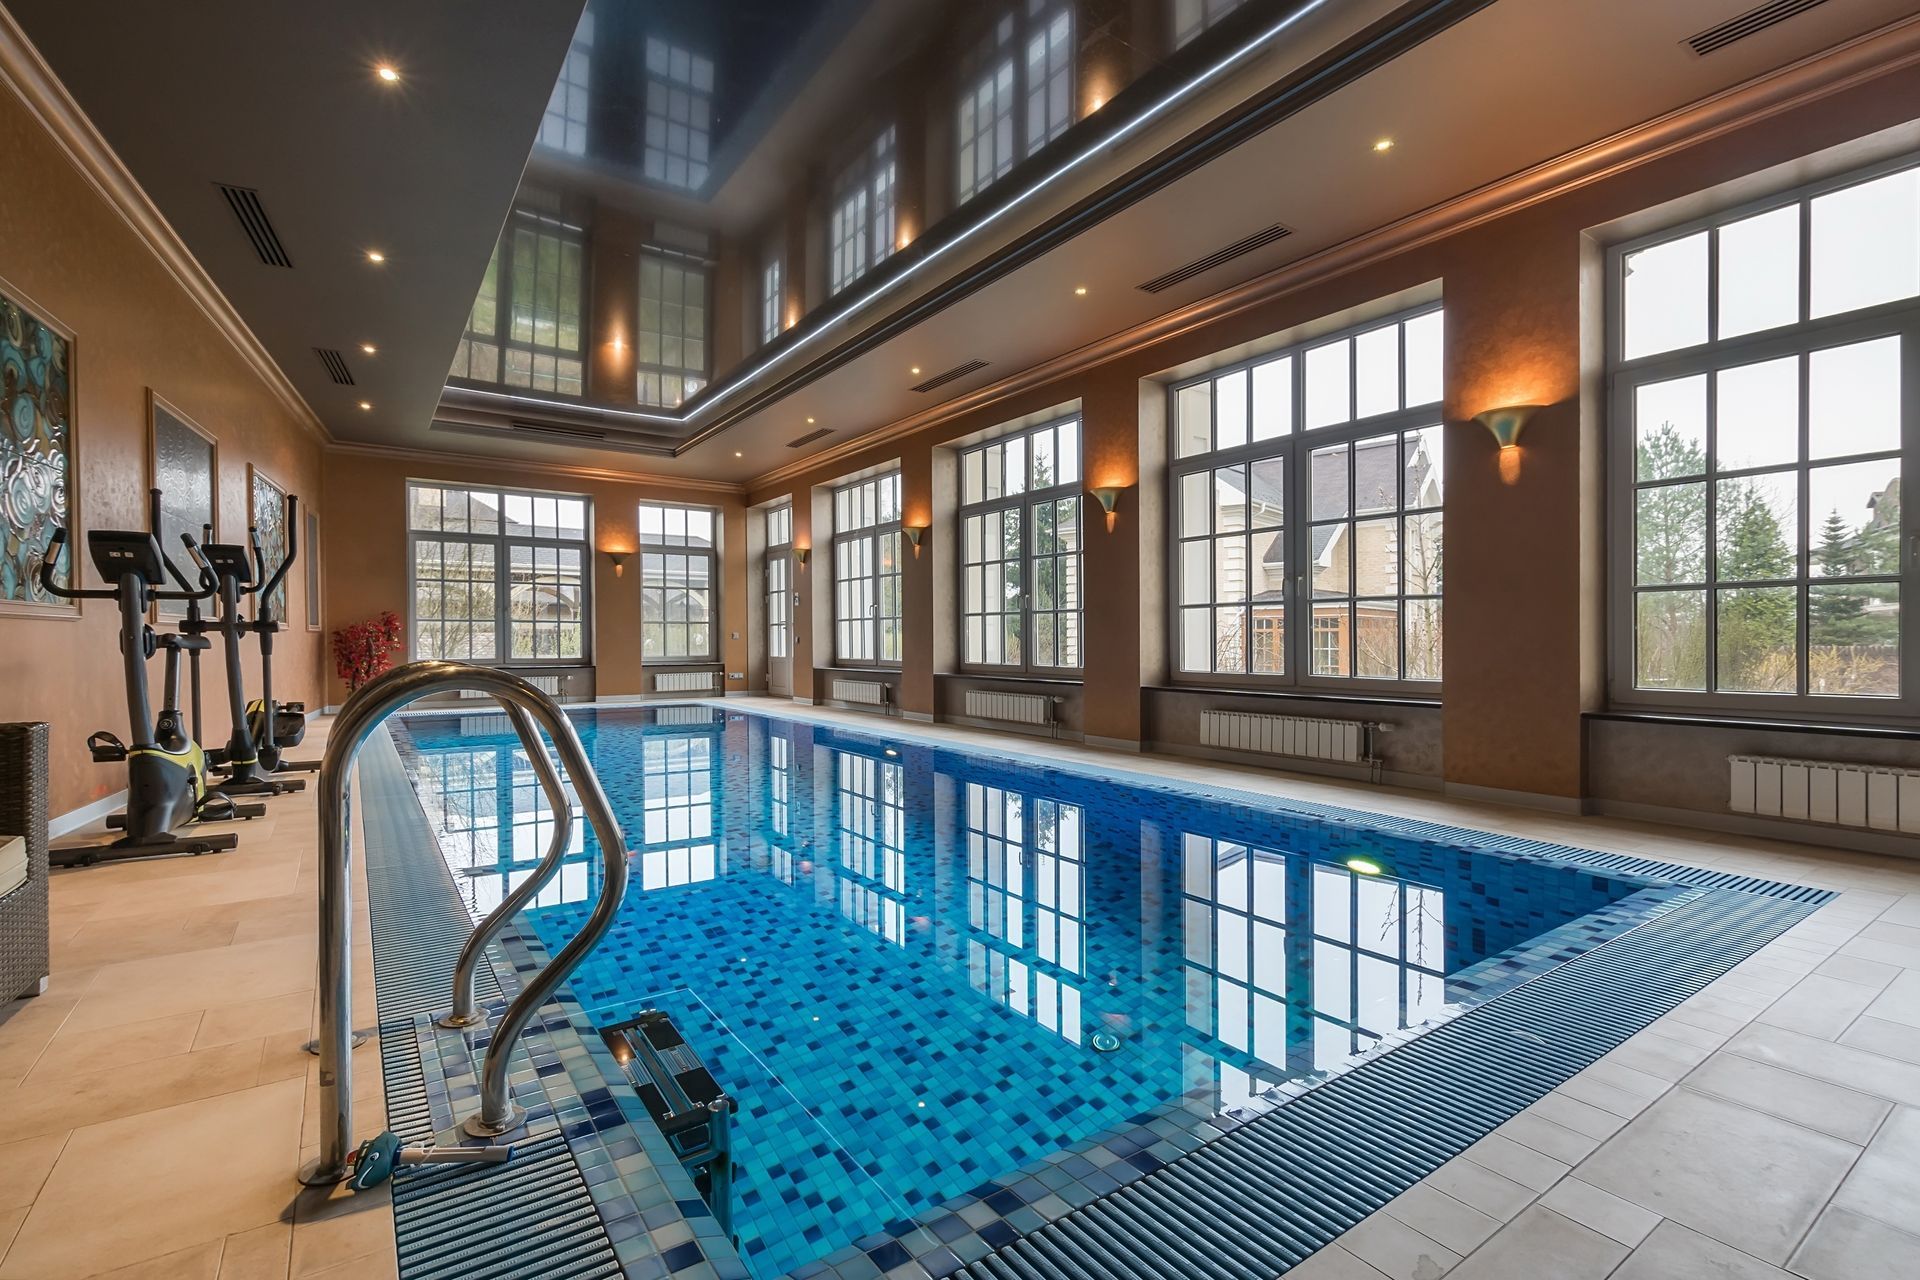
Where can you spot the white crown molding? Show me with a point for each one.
(432, 457)
(1798, 84)
(25, 72)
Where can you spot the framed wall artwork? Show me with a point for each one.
(310, 551)
(184, 464)
(37, 468)
(267, 512)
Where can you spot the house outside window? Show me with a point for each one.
(538, 269)
(1763, 528)
(1020, 550)
(670, 353)
(679, 579)
(564, 126)
(498, 576)
(1307, 495)
(866, 572)
(779, 536)
(770, 300)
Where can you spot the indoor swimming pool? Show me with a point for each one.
(917, 970)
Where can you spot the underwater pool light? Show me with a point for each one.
(1364, 866)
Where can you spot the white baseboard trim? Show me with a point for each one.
(1740, 824)
(924, 717)
(1572, 805)
(86, 814)
(805, 702)
(1295, 764)
(331, 709)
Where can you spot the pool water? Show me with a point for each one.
(918, 969)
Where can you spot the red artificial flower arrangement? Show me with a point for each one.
(365, 649)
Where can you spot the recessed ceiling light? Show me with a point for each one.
(366, 404)
(1080, 291)
(915, 371)
(369, 348)
(738, 454)
(387, 73)
(809, 421)
(375, 256)
(1385, 144)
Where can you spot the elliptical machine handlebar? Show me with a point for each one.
(50, 561)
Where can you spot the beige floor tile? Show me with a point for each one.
(1817, 1104)
(113, 941)
(225, 1023)
(1539, 1244)
(263, 1253)
(1333, 1263)
(241, 974)
(1515, 1162)
(54, 1105)
(1618, 1220)
(1396, 1250)
(1890, 1039)
(383, 1265)
(1819, 1006)
(1439, 1216)
(175, 1177)
(1857, 1069)
(1674, 1252)
(1900, 1002)
(73, 1051)
(197, 1262)
(331, 1229)
(1885, 1184)
(1845, 1245)
(24, 1167)
(1476, 1185)
(10, 1220)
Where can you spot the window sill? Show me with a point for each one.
(1299, 695)
(1891, 732)
(1007, 677)
(860, 671)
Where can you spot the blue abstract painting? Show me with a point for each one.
(36, 449)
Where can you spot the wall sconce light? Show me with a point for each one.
(1108, 496)
(619, 559)
(800, 555)
(914, 532)
(1507, 423)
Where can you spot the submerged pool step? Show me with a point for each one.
(1278, 1187)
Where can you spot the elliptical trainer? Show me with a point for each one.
(271, 724)
(166, 770)
(233, 569)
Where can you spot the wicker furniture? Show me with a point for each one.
(23, 811)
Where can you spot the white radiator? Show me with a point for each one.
(1346, 741)
(1020, 708)
(683, 682)
(1875, 797)
(691, 714)
(549, 685)
(870, 693)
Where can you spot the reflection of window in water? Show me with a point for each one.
(1379, 959)
(677, 813)
(679, 119)
(1026, 891)
(780, 855)
(564, 126)
(873, 836)
(495, 821)
(1235, 913)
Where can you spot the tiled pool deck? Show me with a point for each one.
(1768, 1126)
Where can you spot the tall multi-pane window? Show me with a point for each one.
(679, 571)
(1191, 17)
(679, 118)
(1017, 94)
(866, 571)
(861, 231)
(540, 342)
(1307, 497)
(564, 126)
(1761, 425)
(779, 535)
(498, 576)
(770, 299)
(670, 355)
(1020, 550)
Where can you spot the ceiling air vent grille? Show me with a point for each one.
(809, 438)
(335, 365)
(1227, 253)
(246, 206)
(942, 379)
(1742, 25)
(565, 433)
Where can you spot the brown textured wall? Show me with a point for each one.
(65, 248)
(366, 552)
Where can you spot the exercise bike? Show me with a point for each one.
(166, 770)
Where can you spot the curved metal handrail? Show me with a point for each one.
(465, 1012)
(363, 712)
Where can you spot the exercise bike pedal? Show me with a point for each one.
(106, 748)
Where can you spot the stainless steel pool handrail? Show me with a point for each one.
(466, 1012)
(363, 712)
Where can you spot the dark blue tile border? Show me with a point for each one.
(1690, 926)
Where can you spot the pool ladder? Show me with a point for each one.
(529, 710)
